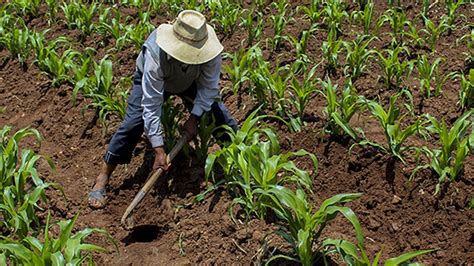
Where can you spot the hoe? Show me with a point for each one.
(127, 218)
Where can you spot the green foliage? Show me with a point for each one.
(334, 14)
(226, 16)
(254, 29)
(452, 7)
(64, 249)
(301, 92)
(80, 15)
(391, 122)
(303, 226)
(357, 56)
(16, 41)
(26, 7)
(300, 45)
(364, 16)
(314, 11)
(430, 77)
(394, 67)
(331, 49)
(52, 11)
(397, 20)
(466, 94)
(279, 22)
(448, 161)
(253, 162)
(171, 115)
(339, 112)
(138, 33)
(21, 188)
(240, 68)
(433, 32)
(109, 26)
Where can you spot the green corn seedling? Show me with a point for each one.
(466, 94)
(331, 49)
(64, 249)
(111, 27)
(365, 16)
(16, 41)
(396, 18)
(253, 162)
(226, 17)
(239, 70)
(303, 225)
(21, 188)
(416, 39)
(433, 32)
(52, 11)
(357, 55)
(279, 22)
(394, 67)
(138, 4)
(80, 15)
(300, 45)
(27, 7)
(254, 29)
(339, 112)
(430, 77)
(171, 115)
(313, 12)
(468, 38)
(448, 161)
(391, 122)
(138, 33)
(452, 7)
(334, 12)
(302, 92)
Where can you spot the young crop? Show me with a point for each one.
(16, 41)
(253, 162)
(448, 161)
(26, 7)
(64, 249)
(254, 29)
(391, 122)
(314, 11)
(469, 39)
(300, 45)
(357, 55)
(304, 226)
(138, 33)
(452, 7)
(433, 32)
(397, 20)
(334, 14)
(466, 94)
(416, 40)
(226, 16)
(331, 49)
(302, 92)
(52, 11)
(21, 188)
(430, 76)
(364, 16)
(80, 15)
(339, 112)
(394, 67)
(138, 4)
(171, 115)
(239, 70)
(279, 22)
(110, 27)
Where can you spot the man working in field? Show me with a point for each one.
(180, 59)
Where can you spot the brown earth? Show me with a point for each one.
(397, 214)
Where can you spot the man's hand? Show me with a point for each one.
(190, 128)
(160, 159)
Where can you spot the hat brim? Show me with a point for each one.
(193, 54)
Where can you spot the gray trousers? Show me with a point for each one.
(126, 137)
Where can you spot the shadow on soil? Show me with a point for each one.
(144, 233)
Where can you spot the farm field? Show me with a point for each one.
(368, 100)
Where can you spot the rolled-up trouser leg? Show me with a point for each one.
(123, 142)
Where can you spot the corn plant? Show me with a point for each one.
(357, 56)
(391, 122)
(226, 17)
(468, 38)
(16, 41)
(394, 67)
(52, 11)
(415, 39)
(300, 45)
(26, 7)
(253, 162)
(339, 112)
(138, 4)
(239, 70)
(430, 76)
(254, 29)
(466, 94)
(334, 13)
(21, 188)
(433, 32)
(80, 15)
(331, 49)
(302, 92)
(396, 18)
(313, 12)
(303, 225)
(279, 22)
(171, 115)
(448, 161)
(364, 16)
(64, 249)
(110, 27)
(452, 7)
(138, 33)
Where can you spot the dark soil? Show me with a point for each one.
(397, 214)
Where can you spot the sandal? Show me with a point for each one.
(99, 196)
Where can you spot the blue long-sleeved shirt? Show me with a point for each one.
(174, 76)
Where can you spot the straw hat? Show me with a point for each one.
(189, 40)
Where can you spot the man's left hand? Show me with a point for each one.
(190, 128)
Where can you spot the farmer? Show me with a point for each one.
(180, 59)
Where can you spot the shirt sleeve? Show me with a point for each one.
(152, 99)
(207, 86)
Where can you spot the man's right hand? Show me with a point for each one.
(161, 159)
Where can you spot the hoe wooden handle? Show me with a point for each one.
(152, 180)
